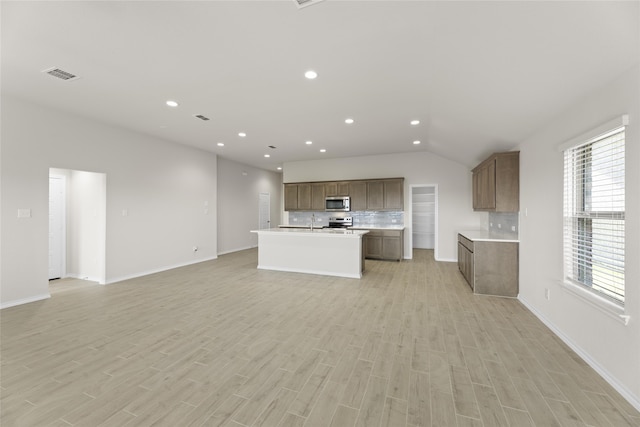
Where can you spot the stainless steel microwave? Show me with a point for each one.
(337, 203)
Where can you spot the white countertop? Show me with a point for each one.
(376, 227)
(338, 232)
(486, 236)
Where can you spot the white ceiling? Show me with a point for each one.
(480, 76)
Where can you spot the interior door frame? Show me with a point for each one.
(63, 178)
(435, 220)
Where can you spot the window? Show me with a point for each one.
(594, 210)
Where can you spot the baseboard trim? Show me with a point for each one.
(88, 278)
(158, 270)
(620, 388)
(230, 251)
(24, 301)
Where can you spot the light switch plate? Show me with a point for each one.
(24, 213)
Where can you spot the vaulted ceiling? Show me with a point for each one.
(479, 76)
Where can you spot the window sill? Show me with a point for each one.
(609, 308)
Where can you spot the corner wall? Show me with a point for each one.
(156, 191)
(600, 338)
(455, 211)
(239, 186)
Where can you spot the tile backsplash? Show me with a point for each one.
(378, 218)
(504, 224)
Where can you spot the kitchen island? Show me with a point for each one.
(326, 251)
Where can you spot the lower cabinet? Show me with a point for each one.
(489, 267)
(384, 244)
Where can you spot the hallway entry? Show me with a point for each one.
(77, 225)
(424, 216)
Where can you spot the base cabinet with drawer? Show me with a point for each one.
(489, 267)
(384, 244)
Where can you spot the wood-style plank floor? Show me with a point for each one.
(223, 344)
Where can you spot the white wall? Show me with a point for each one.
(602, 339)
(162, 186)
(86, 220)
(239, 187)
(455, 211)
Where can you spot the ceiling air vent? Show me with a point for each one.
(201, 117)
(61, 74)
(305, 3)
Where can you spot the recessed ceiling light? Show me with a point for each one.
(415, 122)
(311, 74)
(323, 150)
(309, 142)
(242, 134)
(220, 144)
(279, 168)
(172, 103)
(349, 121)
(267, 155)
(416, 142)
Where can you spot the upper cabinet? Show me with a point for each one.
(358, 194)
(340, 188)
(317, 196)
(378, 194)
(385, 194)
(298, 197)
(496, 183)
(394, 194)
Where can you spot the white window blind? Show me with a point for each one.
(594, 211)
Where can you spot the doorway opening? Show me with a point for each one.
(77, 225)
(424, 217)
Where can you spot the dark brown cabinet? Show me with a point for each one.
(358, 195)
(297, 197)
(465, 259)
(384, 244)
(290, 197)
(489, 267)
(387, 194)
(374, 195)
(317, 196)
(394, 194)
(340, 188)
(496, 183)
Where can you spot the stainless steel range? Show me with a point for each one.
(340, 222)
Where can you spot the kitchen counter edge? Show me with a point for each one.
(486, 236)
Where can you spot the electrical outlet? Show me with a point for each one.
(547, 294)
(195, 249)
(499, 225)
(513, 228)
(295, 219)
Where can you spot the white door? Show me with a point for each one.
(264, 214)
(56, 227)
